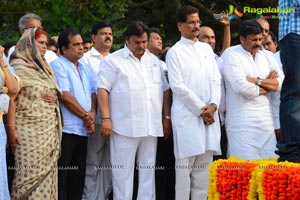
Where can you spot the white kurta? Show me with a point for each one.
(195, 81)
(248, 122)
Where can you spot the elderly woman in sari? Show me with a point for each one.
(37, 134)
(8, 88)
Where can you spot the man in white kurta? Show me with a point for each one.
(195, 82)
(251, 75)
(98, 183)
(131, 86)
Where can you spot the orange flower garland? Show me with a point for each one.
(231, 180)
(265, 179)
(279, 181)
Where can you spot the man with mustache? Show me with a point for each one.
(132, 92)
(78, 107)
(251, 76)
(196, 85)
(98, 174)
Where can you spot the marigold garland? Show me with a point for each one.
(266, 179)
(230, 179)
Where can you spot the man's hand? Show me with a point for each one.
(90, 128)
(273, 74)
(208, 114)
(167, 126)
(224, 19)
(106, 128)
(89, 118)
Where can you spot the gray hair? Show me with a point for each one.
(25, 18)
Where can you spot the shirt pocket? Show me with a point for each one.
(156, 74)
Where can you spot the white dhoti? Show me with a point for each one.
(98, 181)
(124, 152)
(192, 177)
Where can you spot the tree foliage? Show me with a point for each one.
(82, 14)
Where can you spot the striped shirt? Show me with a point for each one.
(289, 17)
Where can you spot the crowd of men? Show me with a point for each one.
(132, 121)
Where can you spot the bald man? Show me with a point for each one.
(265, 26)
(207, 35)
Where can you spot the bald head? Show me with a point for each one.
(207, 35)
(265, 25)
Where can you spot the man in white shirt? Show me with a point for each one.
(196, 85)
(207, 35)
(251, 75)
(131, 92)
(98, 174)
(165, 161)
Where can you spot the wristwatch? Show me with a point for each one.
(258, 82)
(214, 105)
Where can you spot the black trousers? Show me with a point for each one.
(71, 167)
(165, 172)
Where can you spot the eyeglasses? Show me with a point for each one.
(194, 23)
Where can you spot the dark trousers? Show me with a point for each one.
(71, 167)
(289, 144)
(165, 169)
(223, 143)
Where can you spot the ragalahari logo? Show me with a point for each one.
(234, 13)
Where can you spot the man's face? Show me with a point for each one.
(31, 24)
(252, 43)
(103, 39)
(269, 44)
(266, 28)
(154, 43)
(75, 50)
(207, 35)
(86, 46)
(137, 44)
(190, 28)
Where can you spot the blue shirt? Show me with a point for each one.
(81, 88)
(289, 17)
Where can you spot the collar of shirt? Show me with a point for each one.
(95, 53)
(127, 52)
(187, 41)
(66, 60)
(247, 52)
